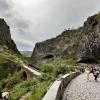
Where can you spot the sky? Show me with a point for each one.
(33, 21)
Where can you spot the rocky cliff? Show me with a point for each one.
(82, 43)
(9, 55)
(5, 36)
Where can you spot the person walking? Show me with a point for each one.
(0, 95)
(91, 70)
(87, 73)
(96, 74)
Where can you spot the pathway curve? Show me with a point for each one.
(81, 89)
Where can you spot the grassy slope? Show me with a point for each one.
(39, 86)
(10, 72)
(18, 86)
(11, 77)
(51, 71)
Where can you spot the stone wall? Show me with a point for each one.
(56, 90)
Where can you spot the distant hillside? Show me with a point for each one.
(82, 43)
(26, 53)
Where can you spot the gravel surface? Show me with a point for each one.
(82, 89)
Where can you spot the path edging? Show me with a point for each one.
(56, 90)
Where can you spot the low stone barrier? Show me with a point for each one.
(56, 90)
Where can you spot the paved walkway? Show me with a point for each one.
(81, 89)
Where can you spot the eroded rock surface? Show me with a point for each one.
(5, 37)
(83, 43)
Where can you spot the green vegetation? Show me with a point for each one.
(98, 14)
(9, 62)
(10, 70)
(39, 91)
(47, 68)
(62, 69)
(12, 79)
(51, 71)
(59, 66)
(19, 90)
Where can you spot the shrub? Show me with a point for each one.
(72, 68)
(62, 69)
(71, 61)
(13, 80)
(2, 84)
(39, 91)
(19, 90)
(47, 68)
(46, 77)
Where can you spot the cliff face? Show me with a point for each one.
(91, 31)
(5, 36)
(82, 43)
(8, 60)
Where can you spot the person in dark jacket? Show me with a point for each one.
(0, 95)
(96, 74)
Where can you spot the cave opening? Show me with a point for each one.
(49, 56)
(87, 60)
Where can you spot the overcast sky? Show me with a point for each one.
(33, 21)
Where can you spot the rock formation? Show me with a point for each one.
(5, 36)
(82, 43)
(9, 53)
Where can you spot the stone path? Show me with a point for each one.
(81, 89)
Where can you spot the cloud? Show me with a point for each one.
(4, 6)
(24, 44)
(33, 21)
